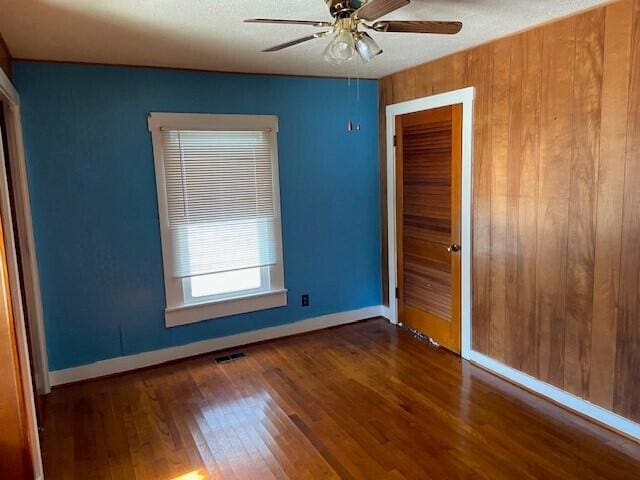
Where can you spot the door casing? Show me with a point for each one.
(9, 101)
(464, 96)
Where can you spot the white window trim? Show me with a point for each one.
(176, 311)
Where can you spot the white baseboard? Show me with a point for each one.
(155, 357)
(386, 313)
(572, 402)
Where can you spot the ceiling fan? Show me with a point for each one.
(350, 17)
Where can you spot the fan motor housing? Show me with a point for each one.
(343, 8)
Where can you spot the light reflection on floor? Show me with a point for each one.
(195, 475)
(240, 422)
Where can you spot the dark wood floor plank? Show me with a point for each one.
(362, 401)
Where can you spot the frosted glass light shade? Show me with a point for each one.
(367, 47)
(341, 49)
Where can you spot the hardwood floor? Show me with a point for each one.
(364, 401)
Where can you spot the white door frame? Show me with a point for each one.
(464, 96)
(10, 99)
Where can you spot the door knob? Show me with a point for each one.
(453, 248)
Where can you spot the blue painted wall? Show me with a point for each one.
(93, 195)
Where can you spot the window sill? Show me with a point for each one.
(198, 312)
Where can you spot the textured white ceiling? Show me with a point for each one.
(210, 35)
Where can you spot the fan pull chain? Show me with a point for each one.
(353, 112)
(349, 122)
(358, 102)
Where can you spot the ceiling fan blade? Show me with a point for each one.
(295, 42)
(374, 9)
(312, 23)
(447, 28)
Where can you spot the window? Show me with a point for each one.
(219, 205)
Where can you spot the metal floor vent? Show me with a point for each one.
(229, 358)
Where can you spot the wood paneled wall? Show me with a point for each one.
(556, 198)
(5, 57)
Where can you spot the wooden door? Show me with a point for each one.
(36, 366)
(15, 446)
(428, 163)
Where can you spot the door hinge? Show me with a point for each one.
(395, 140)
(397, 292)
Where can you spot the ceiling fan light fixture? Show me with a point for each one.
(341, 49)
(367, 47)
(350, 18)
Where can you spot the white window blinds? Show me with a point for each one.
(220, 200)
